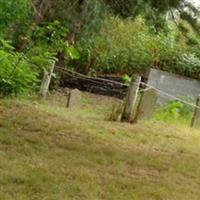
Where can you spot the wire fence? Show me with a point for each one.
(98, 80)
(90, 78)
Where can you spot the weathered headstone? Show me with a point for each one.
(196, 117)
(147, 104)
(74, 98)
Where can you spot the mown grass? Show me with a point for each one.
(50, 152)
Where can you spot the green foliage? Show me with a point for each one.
(119, 47)
(73, 53)
(175, 56)
(190, 64)
(12, 11)
(52, 36)
(13, 14)
(50, 40)
(127, 46)
(41, 58)
(16, 74)
(126, 78)
(94, 36)
(172, 110)
(82, 17)
(20, 72)
(156, 11)
(175, 111)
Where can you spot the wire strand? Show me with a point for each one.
(96, 80)
(170, 95)
(90, 77)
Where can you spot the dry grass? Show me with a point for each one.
(49, 152)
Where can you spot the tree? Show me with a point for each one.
(41, 8)
(78, 13)
(156, 11)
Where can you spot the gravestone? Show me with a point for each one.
(74, 98)
(196, 117)
(147, 104)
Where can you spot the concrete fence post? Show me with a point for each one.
(46, 80)
(196, 117)
(131, 98)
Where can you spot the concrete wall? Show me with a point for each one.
(176, 85)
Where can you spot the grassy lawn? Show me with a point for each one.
(49, 152)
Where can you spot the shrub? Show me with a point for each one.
(127, 46)
(121, 46)
(15, 17)
(175, 111)
(16, 74)
(50, 43)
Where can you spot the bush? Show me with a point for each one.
(175, 111)
(127, 46)
(16, 74)
(15, 18)
(19, 73)
(50, 43)
(177, 57)
(121, 46)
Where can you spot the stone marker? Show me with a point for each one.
(74, 98)
(146, 105)
(196, 117)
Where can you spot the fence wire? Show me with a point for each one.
(97, 79)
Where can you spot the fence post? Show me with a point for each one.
(46, 80)
(196, 117)
(131, 98)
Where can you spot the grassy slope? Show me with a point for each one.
(50, 152)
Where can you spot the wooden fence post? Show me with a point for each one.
(131, 98)
(196, 117)
(46, 80)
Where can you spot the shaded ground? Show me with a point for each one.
(50, 152)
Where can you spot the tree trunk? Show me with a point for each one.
(41, 8)
(81, 10)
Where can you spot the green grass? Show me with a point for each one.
(49, 152)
